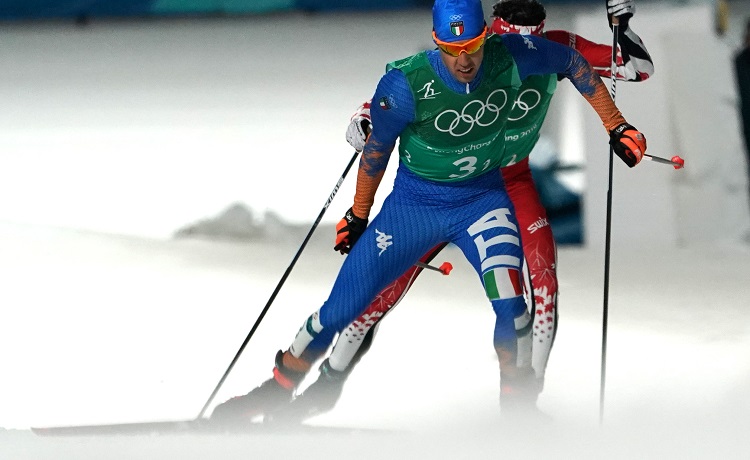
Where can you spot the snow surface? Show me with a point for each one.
(109, 329)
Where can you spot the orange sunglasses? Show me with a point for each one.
(468, 47)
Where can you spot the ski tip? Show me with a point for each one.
(41, 431)
(679, 163)
(158, 427)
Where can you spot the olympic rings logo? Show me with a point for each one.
(525, 104)
(474, 113)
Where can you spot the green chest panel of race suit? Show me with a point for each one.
(455, 135)
(526, 118)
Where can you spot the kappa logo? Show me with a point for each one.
(529, 44)
(383, 241)
(429, 93)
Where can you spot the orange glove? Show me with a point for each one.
(348, 231)
(628, 143)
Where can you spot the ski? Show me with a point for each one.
(195, 426)
(135, 428)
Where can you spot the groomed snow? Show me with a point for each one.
(110, 329)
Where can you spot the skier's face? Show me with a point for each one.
(465, 66)
(462, 58)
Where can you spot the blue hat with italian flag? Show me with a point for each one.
(457, 20)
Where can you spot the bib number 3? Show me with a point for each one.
(468, 166)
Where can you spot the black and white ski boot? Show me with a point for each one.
(320, 397)
(268, 396)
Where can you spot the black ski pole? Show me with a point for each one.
(608, 231)
(278, 286)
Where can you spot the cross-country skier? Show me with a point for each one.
(526, 17)
(446, 189)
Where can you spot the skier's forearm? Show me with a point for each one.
(364, 197)
(372, 167)
(591, 87)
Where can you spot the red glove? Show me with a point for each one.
(348, 231)
(628, 143)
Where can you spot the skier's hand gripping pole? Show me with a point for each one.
(348, 231)
(619, 12)
(628, 143)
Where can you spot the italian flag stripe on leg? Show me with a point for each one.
(502, 283)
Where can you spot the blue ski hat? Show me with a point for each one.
(457, 20)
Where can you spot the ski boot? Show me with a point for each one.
(320, 397)
(271, 394)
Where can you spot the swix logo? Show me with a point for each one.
(383, 241)
(333, 193)
(572, 40)
(541, 223)
(429, 93)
